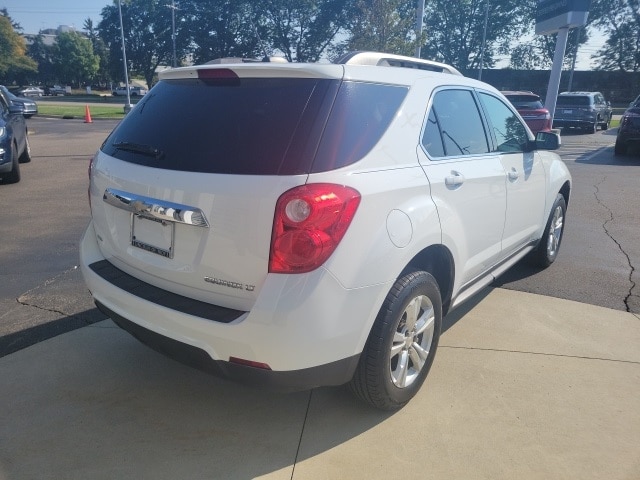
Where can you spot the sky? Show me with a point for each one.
(36, 15)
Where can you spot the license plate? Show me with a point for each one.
(567, 111)
(153, 235)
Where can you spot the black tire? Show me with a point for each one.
(593, 128)
(400, 349)
(26, 154)
(605, 125)
(620, 148)
(14, 175)
(547, 250)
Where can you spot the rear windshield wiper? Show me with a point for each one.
(147, 150)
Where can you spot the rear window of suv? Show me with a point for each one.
(255, 126)
(574, 100)
(525, 102)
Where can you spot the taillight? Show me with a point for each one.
(308, 225)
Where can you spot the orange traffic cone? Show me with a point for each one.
(87, 114)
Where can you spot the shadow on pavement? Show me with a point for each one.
(13, 342)
(107, 407)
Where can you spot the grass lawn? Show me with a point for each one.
(78, 110)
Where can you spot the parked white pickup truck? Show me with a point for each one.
(134, 91)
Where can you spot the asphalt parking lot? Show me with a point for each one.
(538, 378)
(42, 294)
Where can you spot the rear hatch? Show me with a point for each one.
(574, 107)
(532, 111)
(183, 191)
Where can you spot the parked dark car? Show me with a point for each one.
(30, 108)
(629, 129)
(14, 143)
(531, 109)
(55, 90)
(582, 110)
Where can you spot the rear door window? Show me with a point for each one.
(361, 114)
(455, 119)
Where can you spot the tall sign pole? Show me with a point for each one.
(556, 71)
(559, 16)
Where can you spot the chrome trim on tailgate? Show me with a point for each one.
(154, 208)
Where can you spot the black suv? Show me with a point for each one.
(583, 110)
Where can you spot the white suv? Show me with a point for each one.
(300, 225)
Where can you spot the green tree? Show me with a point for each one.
(303, 30)
(455, 30)
(539, 52)
(620, 20)
(44, 56)
(15, 65)
(100, 49)
(383, 26)
(147, 34)
(223, 28)
(74, 60)
(16, 26)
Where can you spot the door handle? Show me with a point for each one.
(513, 175)
(454, 180)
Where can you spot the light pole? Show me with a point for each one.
(419, 17)
(173, 30)
(484, 38)
(127, 106)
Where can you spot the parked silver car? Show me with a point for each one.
(30, 108)
(31, 92)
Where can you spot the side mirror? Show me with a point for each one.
(547, 141)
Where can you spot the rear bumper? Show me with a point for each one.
(562, 123)
(537, 124)
(335, 373)
(307, 328)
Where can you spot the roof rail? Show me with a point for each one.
(391, 60)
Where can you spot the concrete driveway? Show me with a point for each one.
(516, 392)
